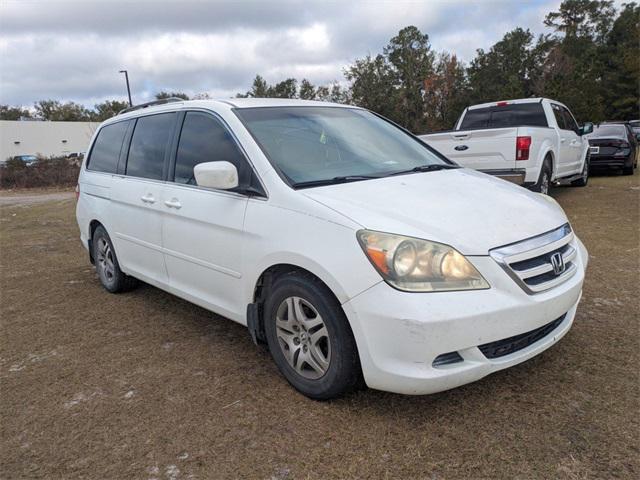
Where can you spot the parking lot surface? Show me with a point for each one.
(145, 385)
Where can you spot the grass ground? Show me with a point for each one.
(144, 385)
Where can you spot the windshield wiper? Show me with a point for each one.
(334, 180)
(425, 168)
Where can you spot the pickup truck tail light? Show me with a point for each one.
(523, 144)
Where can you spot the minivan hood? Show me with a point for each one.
(468, 210)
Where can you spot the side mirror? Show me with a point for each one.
(221, 175)
(586, 128)
(638, 136)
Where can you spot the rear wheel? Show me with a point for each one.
(309, 337)
(107, 266)
(584, 176)
(543, 185)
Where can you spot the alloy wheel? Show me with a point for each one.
(544, 183)
(303, 337)
(105, 260)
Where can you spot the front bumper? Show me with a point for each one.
(400, 334)
(600, 161)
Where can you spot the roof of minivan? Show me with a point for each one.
(277, 102)
(225, 103)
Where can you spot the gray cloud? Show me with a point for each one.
(72, 50)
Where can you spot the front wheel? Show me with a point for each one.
(584, 176)
(543, 185)
(309, 337)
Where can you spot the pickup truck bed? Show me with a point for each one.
(514, 140)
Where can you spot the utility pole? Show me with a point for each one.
(126, 76)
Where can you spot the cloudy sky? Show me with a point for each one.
(72, 50)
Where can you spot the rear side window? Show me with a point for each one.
(106, 148)
(204, 139)
(149, 145)
(512, 115)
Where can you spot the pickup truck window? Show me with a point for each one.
(569, 120)
(560, 118)
(512, 115)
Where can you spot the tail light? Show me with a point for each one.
(502, 104)
(77, 192)
(620, 144)
(523, 144)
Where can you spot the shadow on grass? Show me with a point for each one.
(511, 387)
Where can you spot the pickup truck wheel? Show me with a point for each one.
(584, 177)
(309, 337)
(112, 278)
(543, 185)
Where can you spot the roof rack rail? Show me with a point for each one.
(162, 101)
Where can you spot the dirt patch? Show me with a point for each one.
(31, 198)
(144, 385)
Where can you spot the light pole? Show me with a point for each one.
(126, 76)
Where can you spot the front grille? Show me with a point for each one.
(510, 345)
(531, 262)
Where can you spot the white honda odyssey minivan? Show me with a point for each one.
(353, 250)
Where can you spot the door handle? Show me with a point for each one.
(562, 140)
(148, 198)
(173, 203)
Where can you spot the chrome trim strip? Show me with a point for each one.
(533, 242)
(571, 270)
(535, 271)
(536, 252)
(569, 255)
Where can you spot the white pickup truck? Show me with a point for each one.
(532, 142)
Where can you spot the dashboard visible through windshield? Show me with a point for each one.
(313, 146)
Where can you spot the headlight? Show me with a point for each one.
(415, 265)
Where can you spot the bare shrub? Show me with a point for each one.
(46, 172)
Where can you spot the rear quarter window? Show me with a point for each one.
(513, 115)
(106, 148)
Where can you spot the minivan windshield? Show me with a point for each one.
(313, 146)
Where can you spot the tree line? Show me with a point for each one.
(590, 61)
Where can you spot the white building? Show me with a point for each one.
(44, 138)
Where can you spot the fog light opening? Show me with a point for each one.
(447, 359)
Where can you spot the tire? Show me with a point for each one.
(584, 179)
(107, 266)
(313, 347)
(628, 170)
(543, 185)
